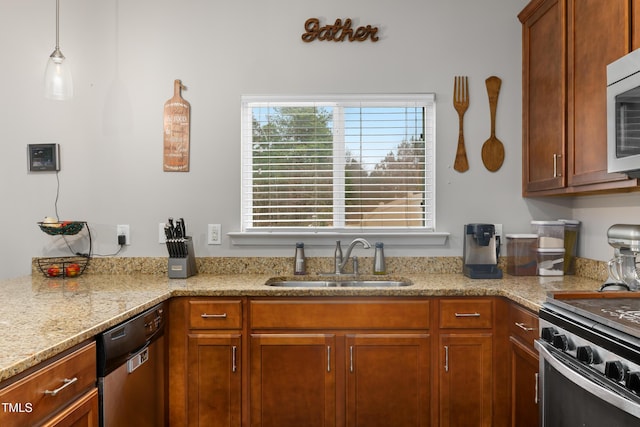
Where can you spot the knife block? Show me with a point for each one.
(183, 267)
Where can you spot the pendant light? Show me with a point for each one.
(57, 78)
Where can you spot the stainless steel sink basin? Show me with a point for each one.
(292, 283)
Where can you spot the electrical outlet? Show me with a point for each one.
(162, 238)
(123, 230)
(213, 234)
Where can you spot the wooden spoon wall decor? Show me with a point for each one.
(492, 149)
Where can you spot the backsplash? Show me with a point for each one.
(282, 266)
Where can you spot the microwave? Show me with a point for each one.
(623, 115)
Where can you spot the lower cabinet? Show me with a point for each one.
(205, 362)
(466, 378)
(61, 392)
(318, 379)
(81, 413)
(387, 380)
(523, 330)
(524, 386)
(214, 380)
(340, 362)
(349, 362)
(293, 380)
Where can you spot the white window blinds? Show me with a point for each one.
(343, 162)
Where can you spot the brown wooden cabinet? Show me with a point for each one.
(465, 362)
(214, 379)
(466, 379)
(337, 362)
(566, 47)
(60, 392)
(293, 380)
(523, 327)
(387, 379)
(205, 362)
(81, 413)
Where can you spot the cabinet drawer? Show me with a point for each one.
(340, 314)
(34, 398)
(466, 313)
(211, 314)
(523, 324)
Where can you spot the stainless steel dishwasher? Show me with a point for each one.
(131, 371)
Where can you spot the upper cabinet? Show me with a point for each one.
(566, 46)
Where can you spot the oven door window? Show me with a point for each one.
(628, 123)
(572, 396)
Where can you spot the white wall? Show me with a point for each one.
(125, 56)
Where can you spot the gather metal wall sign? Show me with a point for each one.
(337, 32)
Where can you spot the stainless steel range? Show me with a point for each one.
(590, 360)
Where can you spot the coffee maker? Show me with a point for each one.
(481, 252)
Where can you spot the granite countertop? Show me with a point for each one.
(41, 317)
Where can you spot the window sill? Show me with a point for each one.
(407, 238)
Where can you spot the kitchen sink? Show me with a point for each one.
(347, 283)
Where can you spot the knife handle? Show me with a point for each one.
(183, 228)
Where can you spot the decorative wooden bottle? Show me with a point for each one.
(177, 117)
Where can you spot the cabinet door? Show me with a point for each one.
(465, 380)
(387, 380)
(214, 380)
(598, 35)
(81, 413)
(293, 380)
(544, 95)
(524, 385)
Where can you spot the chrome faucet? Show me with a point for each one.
(347, 254)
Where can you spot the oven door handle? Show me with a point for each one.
(584, 382)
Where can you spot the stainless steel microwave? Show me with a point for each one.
(623, 115)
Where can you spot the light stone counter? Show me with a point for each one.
(41, 317)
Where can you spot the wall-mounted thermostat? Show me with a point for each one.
(43, 157)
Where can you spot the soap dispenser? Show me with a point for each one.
(379, 266)
(299, 263)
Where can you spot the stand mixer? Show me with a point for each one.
(623, 273)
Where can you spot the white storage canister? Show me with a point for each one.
(550, 262)
(550, 233)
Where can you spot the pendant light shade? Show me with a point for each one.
(58, 83)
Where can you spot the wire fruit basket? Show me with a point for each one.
(63, 266)
(65, 228)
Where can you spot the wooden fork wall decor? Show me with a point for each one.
(461, 103)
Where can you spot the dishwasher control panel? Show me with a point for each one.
(153, 321)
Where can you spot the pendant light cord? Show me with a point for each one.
(57, 24)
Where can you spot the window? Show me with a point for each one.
(331, 163)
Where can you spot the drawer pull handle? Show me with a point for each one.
(214, 316)
(67, 382)
(467, 314)
(524, 327)
(234, 366)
